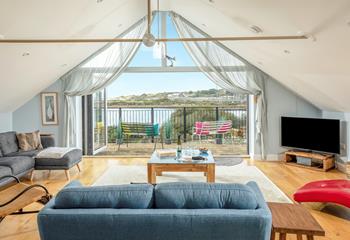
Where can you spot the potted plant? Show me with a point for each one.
(168, 132)
(119, 134)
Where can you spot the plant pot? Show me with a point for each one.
(119, 141)
(167, 141)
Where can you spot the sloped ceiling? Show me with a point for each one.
(317, 70)
(21, 78)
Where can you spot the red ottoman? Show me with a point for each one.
(334, 191)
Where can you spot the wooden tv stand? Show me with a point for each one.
(321, 162)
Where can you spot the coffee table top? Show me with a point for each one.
(294, 218)
(155, 159)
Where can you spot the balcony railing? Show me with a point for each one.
(181, 119)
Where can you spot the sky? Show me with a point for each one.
(139, 83)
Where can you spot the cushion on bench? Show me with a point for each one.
(204, 195)
(134, 196)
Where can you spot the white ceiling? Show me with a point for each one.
(317, 70)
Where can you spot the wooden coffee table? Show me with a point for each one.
(293, 219)
(157, 165)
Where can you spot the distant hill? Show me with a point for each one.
(208, 97)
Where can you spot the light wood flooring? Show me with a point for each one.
(287, 178)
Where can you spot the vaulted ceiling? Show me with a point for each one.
(317, 69)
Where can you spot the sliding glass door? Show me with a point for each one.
(99, 120)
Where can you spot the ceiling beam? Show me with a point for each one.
(116, 40)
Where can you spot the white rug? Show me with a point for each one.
(241, 173)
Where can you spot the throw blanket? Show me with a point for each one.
(54, 152)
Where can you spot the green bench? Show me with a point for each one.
(140, 129)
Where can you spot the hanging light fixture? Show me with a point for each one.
(159, 47)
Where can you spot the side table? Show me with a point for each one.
(293, 219)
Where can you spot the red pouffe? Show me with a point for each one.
(332, 191)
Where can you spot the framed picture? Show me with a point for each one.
(49, 108)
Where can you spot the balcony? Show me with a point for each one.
(174, 121)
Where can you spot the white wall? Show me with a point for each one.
(5, 122)
(27, 118)
(344, 133)
(280, 102)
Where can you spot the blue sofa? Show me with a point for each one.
(169, 211)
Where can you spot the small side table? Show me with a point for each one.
(293, 219)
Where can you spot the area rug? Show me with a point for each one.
(228, 161)
(241, 173)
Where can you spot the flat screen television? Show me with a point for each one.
(314, 134)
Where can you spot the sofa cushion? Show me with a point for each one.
(29, 141)
(132, 196)
(204, 196)
(17, 164)
(8, 143)
(5, 171)
(31, 153)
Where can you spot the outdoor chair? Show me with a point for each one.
(205, 129)
(141, 129)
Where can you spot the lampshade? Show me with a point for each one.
(148, 40)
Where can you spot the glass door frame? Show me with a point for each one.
(88, 127)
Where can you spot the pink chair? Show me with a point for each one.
(211, 128)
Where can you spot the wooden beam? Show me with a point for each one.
(115, 40)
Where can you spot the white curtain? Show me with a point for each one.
(96, 73)
(227, 70)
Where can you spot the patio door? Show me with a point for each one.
(94, 122)
(99, 120)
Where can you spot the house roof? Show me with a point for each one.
(317, 69)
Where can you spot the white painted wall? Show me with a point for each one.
(345, 131)
(280, 102)
(5, 122)
(27, 118)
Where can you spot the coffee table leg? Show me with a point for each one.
(283, 236)
(273, 235)
(299, 237)
(310, 237)
(211, 173)
(151, 174)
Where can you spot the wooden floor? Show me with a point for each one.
(287, 178)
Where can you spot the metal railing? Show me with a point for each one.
(180, 119)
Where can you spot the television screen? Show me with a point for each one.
(310, 133)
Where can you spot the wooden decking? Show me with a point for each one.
(287, 178)
(146, 149)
